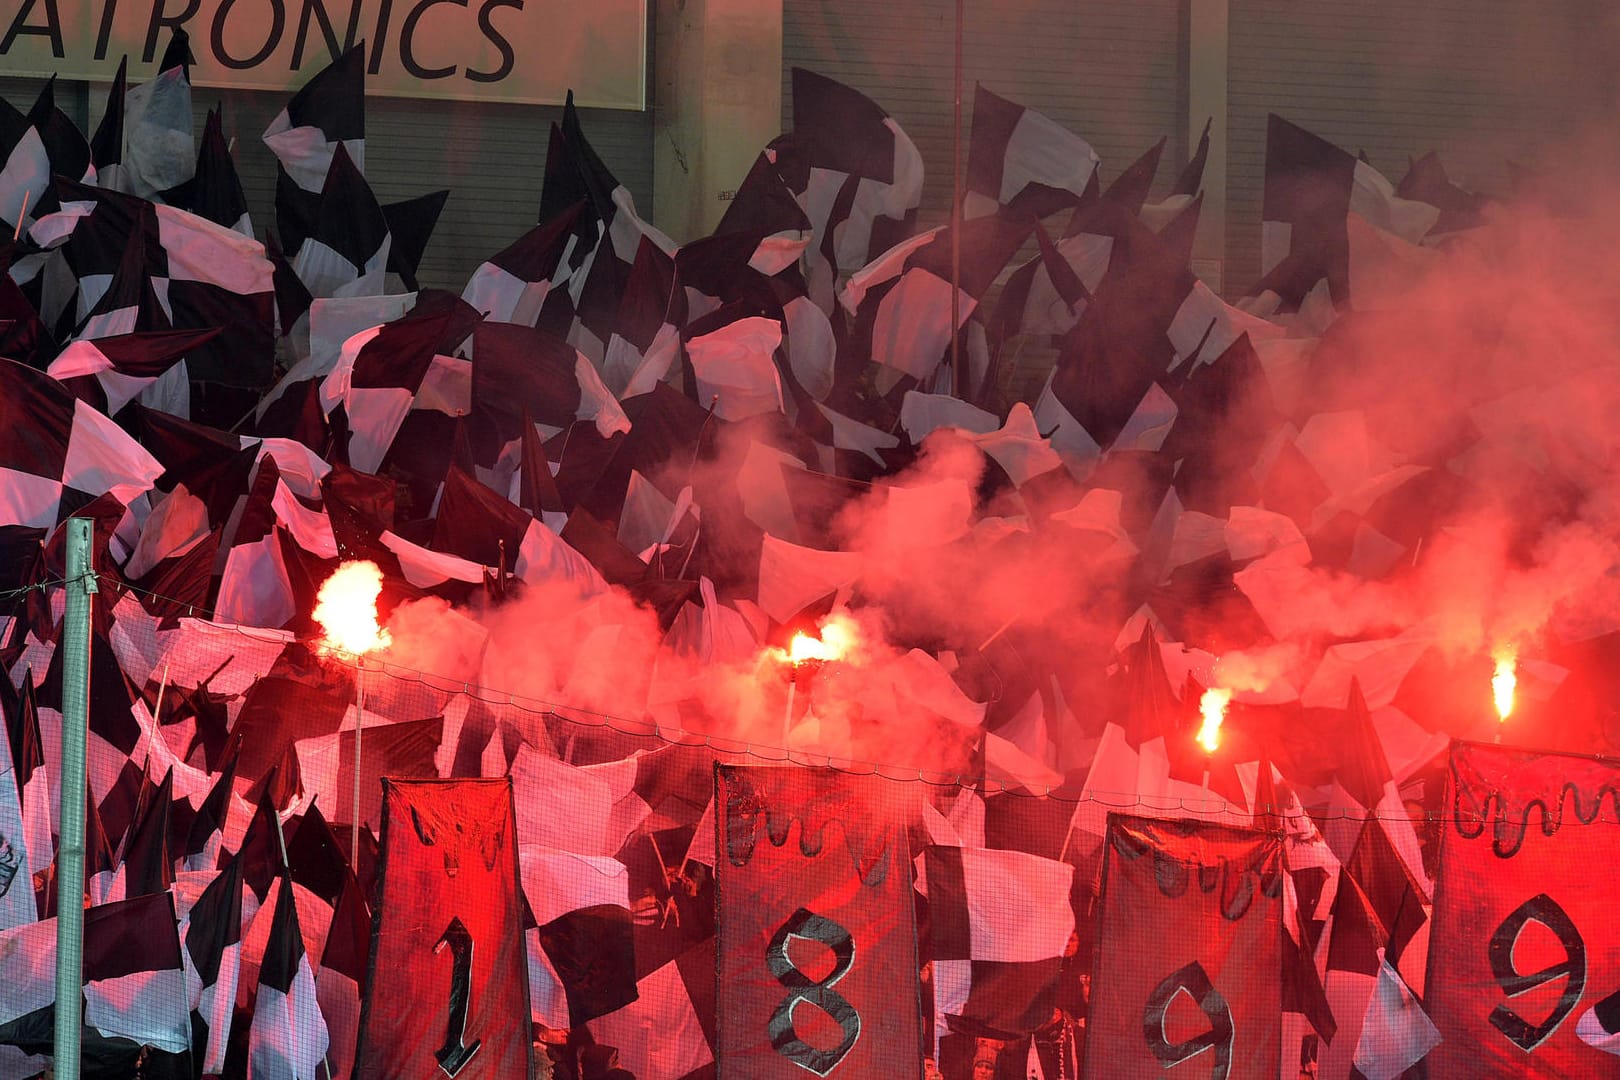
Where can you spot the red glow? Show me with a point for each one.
(1213, 705)
(346, 608)
(1505, 682)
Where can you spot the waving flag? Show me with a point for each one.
(856, 173)
(327, 112)
(212, 936)
(288, 1040)
(999, 923)
(159, 154)
(134, 987)
(216, 192)
(1022, 160)
(57, 453)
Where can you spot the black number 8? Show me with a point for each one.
(801, 988)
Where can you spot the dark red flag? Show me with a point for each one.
(1191, 950)
(1524, 937)
(818, 955)
(448, 979)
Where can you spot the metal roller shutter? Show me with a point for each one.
(1479, 81)
(1109, 71)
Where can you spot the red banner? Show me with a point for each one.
(449, 993)
(1186, 978)
(1525, 940)
(818, 954)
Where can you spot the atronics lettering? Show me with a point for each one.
(50, 26)
(251, 36)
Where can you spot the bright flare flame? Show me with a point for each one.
(1505, 682)
(836, 641)
(1213, 705)
(346, 608)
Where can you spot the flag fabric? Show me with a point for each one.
(340, 981)
(857, 174)
(1599, 1026)
(900, 304)
(512, 285)
(345, 250)
(607, 233)
(517, 370)
(1022, 160)
(765, 211)
(1188, 910)
(288, 1039)
(211, 933)
(1396, 1033)
(582, 960)
(669, 1029)
(735, 368)
(255, 586)
(1524, 959)
(327, 112)
(134, 987)
(410, 227)
(107, 144)
(135, 263)
(27, 751)
(1311, 188)
(58, 453)
(17, 858)
(216, 190)
(25, 171)
(159, 153)
(1047, 294)
(1426, 182)
(449, 936)
(326, 764)
(830, 868)
(379, 374)
(999, 925)
(120, 369)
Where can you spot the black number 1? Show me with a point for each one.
(454, 1054)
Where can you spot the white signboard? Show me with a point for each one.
(531, 51)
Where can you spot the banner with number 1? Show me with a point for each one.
(449, 982)
(816, 928)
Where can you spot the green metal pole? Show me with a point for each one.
(81, 582)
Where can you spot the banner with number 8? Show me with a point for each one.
(817, 939)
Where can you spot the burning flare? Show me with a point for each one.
(1213, 705)
(1505, 681)
(836, 641)
(346, 608)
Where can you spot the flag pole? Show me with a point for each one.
(959, 382)
(359, 723)
(81, 582)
